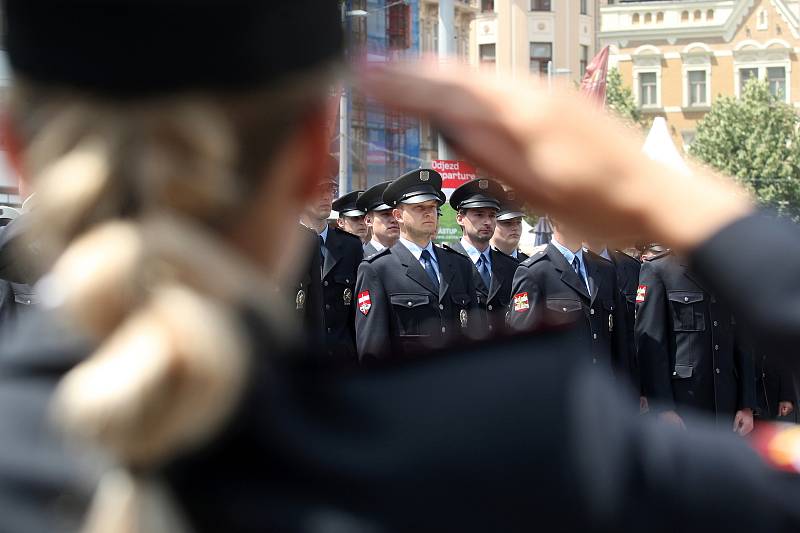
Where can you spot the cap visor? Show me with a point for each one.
(509, 216)
(419, 198)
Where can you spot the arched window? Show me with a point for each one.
(710, 14)
(685, 16)
(697, 15)
(635, 19)
(659, 17)
(648, 18)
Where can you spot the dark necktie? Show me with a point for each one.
(321, 252)
(483, 270)
(576, 265)
(427, 264)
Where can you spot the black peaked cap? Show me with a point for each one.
(415, 187)
(346, 205)
(372, 198)
(477, 193)
(127, 48)
(510, 207)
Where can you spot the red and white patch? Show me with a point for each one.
(364, 303)
(641, 292)
(521, 302)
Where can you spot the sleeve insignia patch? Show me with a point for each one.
(364, 302)
(521, 302)
(641, 292)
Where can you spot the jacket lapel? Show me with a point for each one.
(568, 275)
(447, 272)
(497, 278)
(476, 276)
(414, 269)
(593, 272)
(332, 253)
(694, 278)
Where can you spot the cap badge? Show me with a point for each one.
(483, 184)
(424, 175)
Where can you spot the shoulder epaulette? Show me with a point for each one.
(376, 255)
(535, 258)
(659, 255)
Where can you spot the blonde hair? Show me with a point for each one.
(131, 198)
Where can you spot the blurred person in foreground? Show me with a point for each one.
(166, 180)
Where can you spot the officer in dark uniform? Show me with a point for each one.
(509, 227)
(689, 353)
(627, 271)
(307, 294)
(379, 219)
(339, 254)
(414, 295)
(477, 203)
(565, 285)
(351, 217)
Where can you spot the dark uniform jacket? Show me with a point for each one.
(399, 312)
(627, 270)
(547, 292)
(344, 252)
(521, 256)
(687, 343)
(307, 295)
(493, 301)
(775, 382)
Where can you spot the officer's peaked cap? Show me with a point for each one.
(510, 207)
(135, 48)
(477, 193)
(372, 198)
(415, 187)
(347, 205)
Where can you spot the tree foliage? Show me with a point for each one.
(619, 98)
(756, 140)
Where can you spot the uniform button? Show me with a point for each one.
(329, 330)
(347, 280)
(716, 323)
(327, 306)
(325, 283)
(410, 304)
(565, 309)
(490, 328)
(591, 312)
(685, 298)
(674, 373)
(717, 370)
(490, 308)
(594, 335)
(716, 346)
(441, 306)
(444, 329)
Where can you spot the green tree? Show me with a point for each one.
(619, 98)
(755, 139)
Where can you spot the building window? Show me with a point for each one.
(487, 53)
(763, 21)
(696, 15)
(487, 6)
(710, 15)
(584, 10)
(776, 77)
(744, 76)
(685, 16)
(584, 58)
(697, 87)
(540, 5)
(688, 138)
(660, 17)
(635, 19)
(648, 89)
(648, 18)
(541, 55)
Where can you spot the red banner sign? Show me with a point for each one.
(454, 173)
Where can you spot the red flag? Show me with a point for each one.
(593, 83)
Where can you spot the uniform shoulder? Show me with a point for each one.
(622, 257)
(377, 255)
(454, 248)
(660, 259)
(348, 237)
(458, 255)
(537, 256)
(503, 258)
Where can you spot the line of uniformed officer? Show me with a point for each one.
(692, 357)
(509, 227)
(379, 219)
(565, 285)
(414, 296)
(477, 203)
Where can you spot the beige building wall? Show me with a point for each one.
(718, 37)
(511, 26)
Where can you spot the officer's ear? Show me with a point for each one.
(397, 213)
(368, 220)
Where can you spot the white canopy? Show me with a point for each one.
(659, 147)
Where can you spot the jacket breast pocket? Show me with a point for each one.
(688, 312)
(411, 311)
(562, 305)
